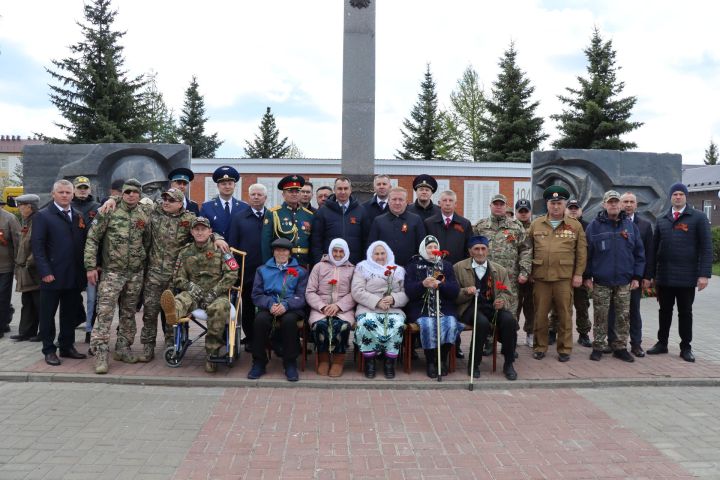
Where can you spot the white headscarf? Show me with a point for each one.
(338, 242)
(423, 251)
(369, 268)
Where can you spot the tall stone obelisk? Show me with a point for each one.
(358, 114)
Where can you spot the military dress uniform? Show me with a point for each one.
(125, 238)
(216, 210)
(295, 225)
(558, 254)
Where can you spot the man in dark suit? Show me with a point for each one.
(378, 204)
(401, 230)
(452, 230)
(220, 209)
(629, 203)
(58, 240)
(245, 234)
(180, 178)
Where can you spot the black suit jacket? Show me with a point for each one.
(647, 237)
(245, 233)
(453, 239)
(58, 246)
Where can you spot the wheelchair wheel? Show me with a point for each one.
(172, 358)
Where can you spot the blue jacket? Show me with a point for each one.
(268, 286)
(214, 210)
(683, 249)
(329, 222)
(615, 251)
(418, 270)
(58, 246)
(244, 234)
(403, 233)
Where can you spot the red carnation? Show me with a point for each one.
(332, 282)
(500, 286)
(437, 253)
(292, 272)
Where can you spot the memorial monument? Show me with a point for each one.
(588, 174)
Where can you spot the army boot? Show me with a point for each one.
(148, 353)
(167, 303)
(123, 353)
(211, 367)
(101, 361)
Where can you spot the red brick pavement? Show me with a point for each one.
(372, 434)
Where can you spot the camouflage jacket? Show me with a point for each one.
(125, 237)
(201, 270)
(509, 244)
(169, 233)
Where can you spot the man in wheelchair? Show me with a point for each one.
(203, 278)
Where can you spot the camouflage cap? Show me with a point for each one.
(81, 180)
(174, 194)
(610, 194)
(201, 221)
(132, 185)
(498, 197)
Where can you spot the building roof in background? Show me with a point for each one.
(15, 144)
(702, 178)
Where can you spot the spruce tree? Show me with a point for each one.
(596, 117)
(161, 125)
(192, 124)
(511, 130)
(467, 108)
(424, 135)
(711, 154)
(95, 96)
(267, 144)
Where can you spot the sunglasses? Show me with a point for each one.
(128, 192)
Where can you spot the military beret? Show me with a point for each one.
(474, 240)
(225, 172)
(425, 180)
(131, 184)
(523, 204)
(81, 180)
(498, 197)
(27, 199)
(291, 182)
(173, 193)
(281, 243)
(556, 192)
(573, 204)
(201, 221)
(611, 194)
(181, 175)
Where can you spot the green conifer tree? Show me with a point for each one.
(711, 154)
(192, 124)
(467, 108)
(267, 143)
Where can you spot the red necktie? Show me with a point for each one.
(447, 223)
(676, 215)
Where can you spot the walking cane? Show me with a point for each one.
(437, 315)
(472, 352)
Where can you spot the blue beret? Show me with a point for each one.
(474, 240)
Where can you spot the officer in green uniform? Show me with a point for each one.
(289, 220)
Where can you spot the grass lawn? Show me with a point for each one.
(716, 269)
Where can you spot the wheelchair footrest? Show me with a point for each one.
(217, 358)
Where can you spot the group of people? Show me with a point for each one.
(344, 266)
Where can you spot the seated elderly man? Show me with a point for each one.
(279, 294)
(488, 280)
(204, 277)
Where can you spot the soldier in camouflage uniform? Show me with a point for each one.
(125, 238)
(509, 245)
(523, 214)
(290, 221)
(203, 277)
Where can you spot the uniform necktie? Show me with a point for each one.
(676, 215)
(447, 223)
(227, 208)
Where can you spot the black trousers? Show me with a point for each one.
(285, 339)
(30, 314)
(507, 331)
(69, 301)
(248, 314)
(6, 312)
(685, 297)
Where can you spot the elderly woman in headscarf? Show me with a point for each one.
(429, 275)
(332, 307)
(377, 287)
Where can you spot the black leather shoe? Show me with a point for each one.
(638, 351)
(72, 353)
(623, 355)
(431, 369)
(584, 340)
(370, 367)
(596, 355)
(538, 355)
(52, 359)
(19, 338)
(687, 355)
(509, 371)
(459, 353)
(563, 357)
(36, 338)
(552, 338)
(657, 349)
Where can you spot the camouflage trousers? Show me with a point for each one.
(116, 288)
(603, 297)
(155, 284)
(218, 313)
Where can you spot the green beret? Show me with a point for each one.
(556, 192)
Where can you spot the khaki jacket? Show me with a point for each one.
(466, 278)
(27, 277)
(560, 253)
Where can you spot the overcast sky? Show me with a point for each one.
(287, 54)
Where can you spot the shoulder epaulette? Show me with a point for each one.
(275, 208)
(308, 211)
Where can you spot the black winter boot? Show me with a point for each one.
(431, 363)
(369, 367)
(389, 367)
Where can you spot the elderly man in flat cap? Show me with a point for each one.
(558, 263)
(27, 277)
